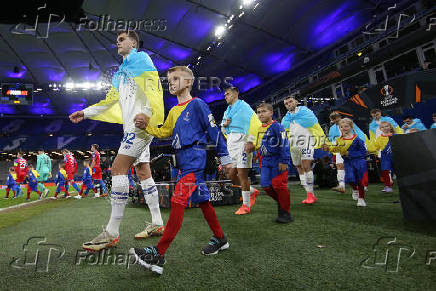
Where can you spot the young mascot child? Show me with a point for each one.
(86, 181)
(191, 125)
(353, 151)
(62, 181)
(383, 144)
(11, 184)
(32, 182)
(275, 152)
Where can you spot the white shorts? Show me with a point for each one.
(136, 144)
(298, 154)
(235, 146)
(339, 159)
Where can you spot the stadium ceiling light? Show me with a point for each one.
(69, 85)
(359, 54)
(219, 31)
(247, 3)
(241, 14)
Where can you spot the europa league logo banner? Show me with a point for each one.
(388, 98)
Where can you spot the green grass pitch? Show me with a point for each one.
(322, 249)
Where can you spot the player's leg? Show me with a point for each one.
(266, 183)
(340, 174)
(232, 175)
(296, 161)
(7, 193)
(19, 191)
(28, 191)
(66, 189)
(244, 164)
(119, 195)
(306, 164)
(361, 169)
(218, 241)
(58, 189)
(280, 186)
(75, 185)
(80, 194)
(151, 197)
(386, 167)
(154, 257)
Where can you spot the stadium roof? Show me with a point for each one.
(263, 39)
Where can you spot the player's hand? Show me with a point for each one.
(346, 153)
(249, 147)
(325, 147)
(141, 120)
(77, 116)
(228, 120)
(282, 167)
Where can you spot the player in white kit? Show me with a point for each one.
(136, 89)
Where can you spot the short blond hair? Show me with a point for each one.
(265, 105)
(183, 69)
(390, 125)
(347, 121)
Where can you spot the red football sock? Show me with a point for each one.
(28, 194)
(172, 228)
(386, 174)
(210, 216)
(365, 179)
(361, 189)
(271, 193)
(284, 198)
(56, 194)
(39, 192)
(281, 188)
(7, 192)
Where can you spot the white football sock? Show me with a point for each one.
(252, 189)
(119, 196)
(303, 179)
(309, 182)
(341, 178)
(246, 198)
(151, 196)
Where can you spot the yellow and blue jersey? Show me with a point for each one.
(273, 144)
(335, 133)
(243, 120)
(10, 181)
(33, 175)
(192, 126)
(353, 151)
(86, 176)
(349, 148)
(383, 144)
(374, 130)
(139, 67)
(61, 177)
